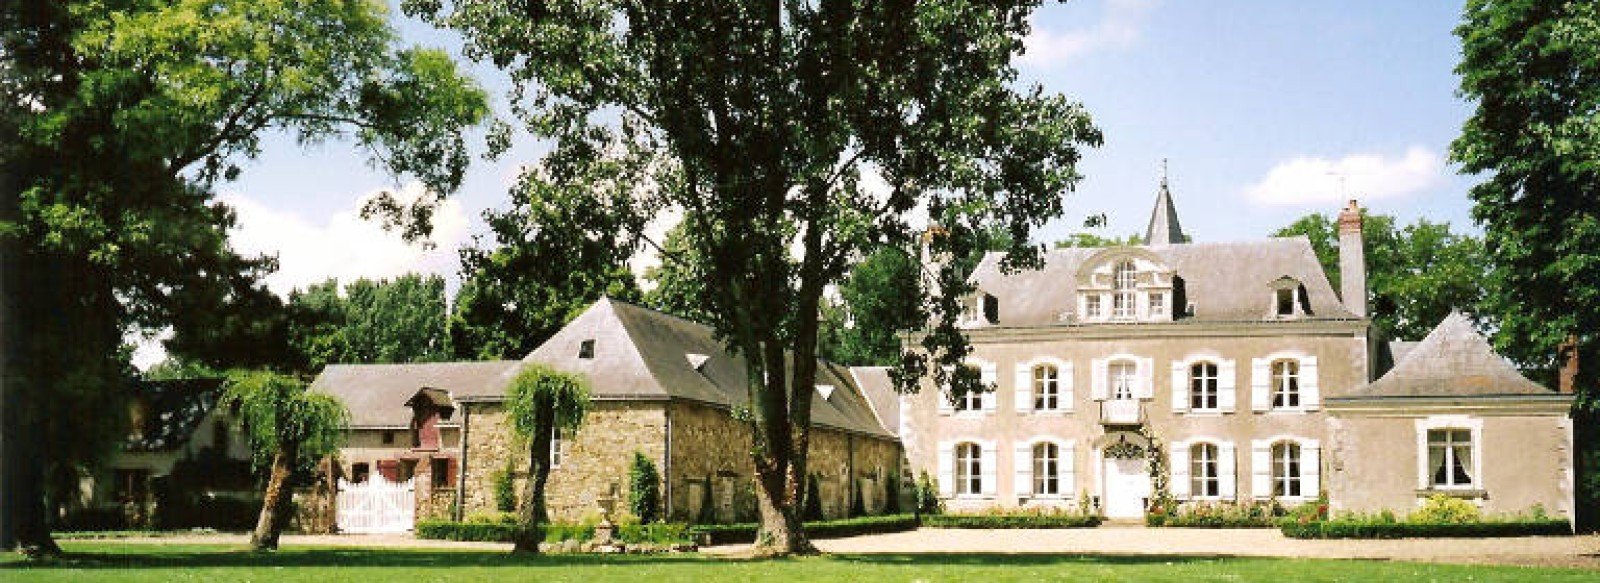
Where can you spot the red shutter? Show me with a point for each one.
(390, 469)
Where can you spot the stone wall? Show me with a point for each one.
(595, 460)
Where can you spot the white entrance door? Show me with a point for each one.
(1127, 487)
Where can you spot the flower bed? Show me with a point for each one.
(1012, 519)
(1263, 514)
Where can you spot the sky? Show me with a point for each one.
(1263, 110)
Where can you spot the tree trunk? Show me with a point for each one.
(533, 514)
(275, 503)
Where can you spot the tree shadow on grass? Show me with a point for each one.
(1025, 559)
(328, 557)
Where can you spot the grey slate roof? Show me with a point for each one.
(1453, 361)
(643, 354)
(881, 394)
(1228, 281)
(1164, 228)
(376, 393)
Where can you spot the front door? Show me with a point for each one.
(1127, 487)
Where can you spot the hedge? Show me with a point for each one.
(722, 534)
(486, 531)
(495, 532)
(1010, 520)
(1383, 530)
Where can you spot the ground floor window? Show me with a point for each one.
(1286, 470)
(1450, 458)
(969, 469)
(1205, 479)
(1047, 469)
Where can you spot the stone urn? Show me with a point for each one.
(606, 531)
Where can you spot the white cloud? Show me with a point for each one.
(1310, 180)
(1119, 27)
(346, 246)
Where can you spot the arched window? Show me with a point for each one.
(1046, 469)
(969, 468)
(1286, 469)
(1123, 282)
(1203, 385)
(1285, 383)
(1206, 479)
(1046, 388)
(1123, 376)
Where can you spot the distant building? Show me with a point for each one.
(1255, 377)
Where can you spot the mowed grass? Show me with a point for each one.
(109, 561)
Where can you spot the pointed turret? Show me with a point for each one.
(1164, 228)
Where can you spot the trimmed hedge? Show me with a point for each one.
(494, 532)
(725, 534)
(1010, 521)
(1382, 530)
(501, 532)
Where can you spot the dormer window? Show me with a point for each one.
(1123, 298)
(1288, 298)
(991, 309)
(1285, 302)
(586, 349)
(1091, 306)
(1158, 304)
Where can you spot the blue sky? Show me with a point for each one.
(1259, 106)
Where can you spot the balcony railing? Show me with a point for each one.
(1121, 412)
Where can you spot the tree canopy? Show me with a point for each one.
(758, 121)
(126, 114)
(288, 428)
(1416, 275)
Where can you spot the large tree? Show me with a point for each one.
(1416, 275)
(540, 402)
(757, 121)
(1532, 72)
(126, 114)
(289, 428)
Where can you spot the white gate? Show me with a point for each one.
(376, 506)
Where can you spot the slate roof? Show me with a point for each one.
(643, 354)
(173, 410)
(1453, 361)
(1164, 228)
(1228, 281)
(881, 394)
(376, 393)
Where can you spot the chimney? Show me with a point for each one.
(1352, 260)
(1567, 376)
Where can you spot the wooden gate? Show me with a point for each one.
(376, 506)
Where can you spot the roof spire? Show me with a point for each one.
(1164, 228)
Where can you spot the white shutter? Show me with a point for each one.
(987, 468)
(1180, 386)
(988, 376)
(1260, 382)
(1146, 389)
(1069, 471)
(947, 469)
(1024, 388)
(1260, 469)
(1179, 470)
(1310, 393)
(1227, 470)
(1227, 379)
(945, 406)
(1024, 471)
(1097, 379)
(1064, 386)
(1310, 468)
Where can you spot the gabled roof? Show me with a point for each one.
(643, 354)
(1453, 361)
(1229, 281)
(877, 385)
(376, 394)
(172, 409)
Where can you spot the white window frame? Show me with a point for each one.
(1126, 383)
(1197, 383)
(1265, 385)
(969, 468)
(1285, 384)
(1025, 481)
(1050, 459)
(1265, 465)
(1158, 303)
(1474, 427)
(949, 460)
(1092, 308)
(1026, 386)
(972, 404)
(1198, 479)
(1125, 290)
(558, 451)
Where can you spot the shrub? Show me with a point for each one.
(659, 533)
(1013, 518)
(928, 501)
(708, 514)
(466, 531)
(813, 501)
(1345, 528)
(719, 534)
(505, 490)
(644, 489)
(858, 506)
(1442, 509)
(891, 493)
(1217, 515)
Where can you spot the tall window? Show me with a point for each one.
(1285, 383)
(1286, 469)
(969, 469)
(1046, 469)
(1450, 457)
(1091, 306)
(1046, 387)
(1205, 479)
(1122, 299)
(1203, 385)
(1122, 379)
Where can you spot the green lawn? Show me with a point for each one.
(111, 561)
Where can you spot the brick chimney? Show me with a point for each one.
(1567, 376)
(1352, 260)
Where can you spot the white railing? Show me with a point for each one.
(1121, 412)
(376, 506)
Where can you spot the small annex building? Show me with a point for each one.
(661, 386)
